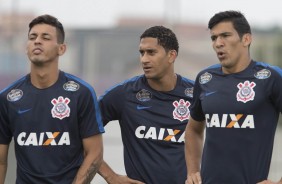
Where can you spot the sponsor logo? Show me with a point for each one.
(230, 121)
(205, 78)
(263, 74)
(139, 107)
(144, 95)
(23, 111)
(43, 139)
(71, 86)
(246, 92)
(60, 109)
(163, 134)
(14, 95)
(181, 111)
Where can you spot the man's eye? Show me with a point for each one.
(213, 38)
(31, 37)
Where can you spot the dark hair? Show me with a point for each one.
(238, 20)
(166, 38)
(52, 21)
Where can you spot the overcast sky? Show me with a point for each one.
(97, 13)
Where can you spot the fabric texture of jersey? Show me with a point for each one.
(48, 126)
(241, 112)
(152, 128)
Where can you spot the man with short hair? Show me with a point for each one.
(53, 116)
(152, 110)
(238, 103)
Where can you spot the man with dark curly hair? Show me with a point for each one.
(152, 110)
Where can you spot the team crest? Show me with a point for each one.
(60, 109)
(181, 111)
(246, 92)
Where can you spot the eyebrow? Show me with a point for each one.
(147, 49)
(221, 34)
(44, 34)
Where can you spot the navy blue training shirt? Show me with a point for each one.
(241, 112)
(152, 127)
(48, 126)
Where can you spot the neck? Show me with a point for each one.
(240, 66)
(167, 83)
(43, 77)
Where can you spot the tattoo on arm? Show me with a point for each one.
(92, 170)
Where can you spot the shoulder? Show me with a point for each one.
(14, 88)
(266, 70)
(216, 68)
(212, 68)
(126, 84)
(74, 83)
(206, 74)
(186, 81)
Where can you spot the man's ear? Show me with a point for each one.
(172, 55)
(247, 39)
(62, 49)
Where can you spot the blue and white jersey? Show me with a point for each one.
(152, 127)
(241, 112)
(48, 126)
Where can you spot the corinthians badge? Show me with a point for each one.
(60, 109)
(181, 111)
(246, 92)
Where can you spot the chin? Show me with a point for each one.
(148, 76)
(37, 62)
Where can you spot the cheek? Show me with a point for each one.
(213, 46)
(27, 48)
(28, 52)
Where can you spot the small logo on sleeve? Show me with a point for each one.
(205, 78)
(189, 92)
(263, 74)
(144, 95)
(71, 86)
(14, 95)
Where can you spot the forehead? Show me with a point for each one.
(222, 27)
(43, 29)
(149, 42)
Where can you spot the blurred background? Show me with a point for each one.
(102, 46)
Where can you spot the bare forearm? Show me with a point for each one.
(93, 156)
(193, 149)
(3, 162)
(3, 170)
(87, 171)
(111, 177)
(106, 172)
